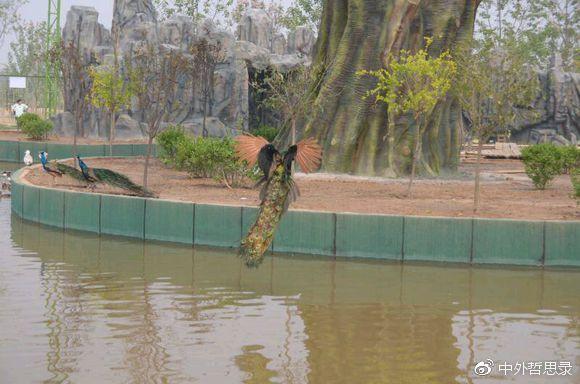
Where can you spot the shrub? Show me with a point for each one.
(267, 132)
(575, 177)
(543, 162)
(570, 157)
(211, 157)
(34, 126)
(169, 141)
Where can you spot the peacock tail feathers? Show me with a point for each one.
(70, 171)
(277, 193)
(118, 180)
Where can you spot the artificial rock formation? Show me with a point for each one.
(555, 116)
(257, 49)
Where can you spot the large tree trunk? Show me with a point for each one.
(360, 34)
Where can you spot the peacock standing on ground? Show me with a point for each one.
(50, 168)
(91, 176)
(279, 189)
(115, 179)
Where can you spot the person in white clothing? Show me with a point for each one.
(18, 110)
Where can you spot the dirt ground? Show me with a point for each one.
(506, 191)
(19, 136)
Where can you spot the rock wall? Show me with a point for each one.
(256, 49)
(555, 116)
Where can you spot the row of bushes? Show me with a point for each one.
(543, 162)
(208, 157)
(34, 126)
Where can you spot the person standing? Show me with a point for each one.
(18, 110)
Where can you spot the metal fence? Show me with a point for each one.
(34, 95)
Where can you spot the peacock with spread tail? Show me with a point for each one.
(279, 189)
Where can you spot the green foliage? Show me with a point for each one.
(413, 82)
(302, 12)
(207, 157)
(570, 158)
(267, 132)
(543, 162)
(28, 49)
(536, 29)
(575, 178)
(109, 90)
(9, 17)
(169, 141)
(34, 126)
(218, 11)
(493, 87)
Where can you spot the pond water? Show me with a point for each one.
(79, 308)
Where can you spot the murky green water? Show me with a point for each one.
(78, 308)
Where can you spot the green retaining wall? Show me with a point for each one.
(13, 151)
(461, 240)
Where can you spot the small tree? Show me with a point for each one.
(154, 81)
(206, 57)
(289, 93)
(109, 91)
(491, 85)
(77, 83)
(413, 83)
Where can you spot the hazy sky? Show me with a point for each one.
(37, 10)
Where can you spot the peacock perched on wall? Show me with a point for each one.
(92, 176)
(279, 189)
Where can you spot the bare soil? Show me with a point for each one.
(19, 136)
(506, 191)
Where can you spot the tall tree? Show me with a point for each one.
(360, 35)
(154, 74)
(9, 16)
(536, 29)
(76, 81)
(110, 91)
(27, 50)
(206, 56)
(492, 92)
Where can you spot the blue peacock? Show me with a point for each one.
(92, 176)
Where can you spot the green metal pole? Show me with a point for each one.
(51, 67)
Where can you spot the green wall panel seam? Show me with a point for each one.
(99, 216)
(472, 242)
(334, 220)
(144, 215)
(403, 240)
(193, 226)
(543, 260)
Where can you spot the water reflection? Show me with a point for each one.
(83, 308)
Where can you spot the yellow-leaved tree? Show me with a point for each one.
(412, 83)
(111, 92)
